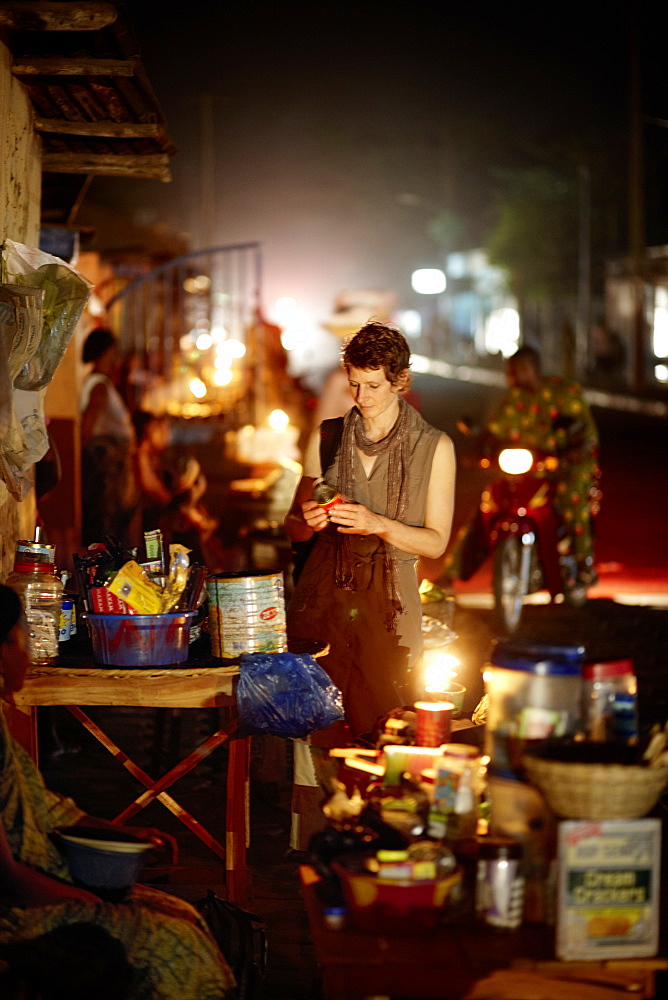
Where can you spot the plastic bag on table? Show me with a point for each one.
(285, 694)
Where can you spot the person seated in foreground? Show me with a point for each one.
(68, 941)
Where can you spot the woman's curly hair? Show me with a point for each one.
(376, 345)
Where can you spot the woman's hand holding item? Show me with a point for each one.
(355, 519)
(314, 516)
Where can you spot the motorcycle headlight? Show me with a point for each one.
(515, 461)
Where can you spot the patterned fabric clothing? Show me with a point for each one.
(167, 944)
(527, 419)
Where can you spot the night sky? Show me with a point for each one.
(343, 130)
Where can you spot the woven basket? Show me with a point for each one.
(597, 791)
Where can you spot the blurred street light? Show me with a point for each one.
(428, 281)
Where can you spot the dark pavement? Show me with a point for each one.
(157, 738)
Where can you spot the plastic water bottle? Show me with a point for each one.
(41, 593)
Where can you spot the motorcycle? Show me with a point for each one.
(521, 526)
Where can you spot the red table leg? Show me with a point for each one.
(237, 820)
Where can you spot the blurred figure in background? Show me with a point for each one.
(609, 358)
(548, 414)
(186, 520)
(108, 488)
(152, 440)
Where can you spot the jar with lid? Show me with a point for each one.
(534, 692)
(41, 593)
(609, 710)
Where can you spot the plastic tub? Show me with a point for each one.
(140, 640)
(396, 906)
(534, 693)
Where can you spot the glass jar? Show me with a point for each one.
(41, 593)
(609, 711)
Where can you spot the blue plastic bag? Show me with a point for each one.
(285, 694)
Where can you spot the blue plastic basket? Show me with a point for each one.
(140, 640)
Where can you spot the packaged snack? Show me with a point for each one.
(133, 586)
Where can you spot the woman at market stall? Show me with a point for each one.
(358, 589)
(109, 496)
(65, 939)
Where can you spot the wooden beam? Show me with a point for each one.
(36, 15)
(72, 66)
(151, 165)
(116, 130)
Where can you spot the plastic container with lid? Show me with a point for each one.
(609, 711)
(41, 593)
(534, 692)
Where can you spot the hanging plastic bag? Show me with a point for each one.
(65, 295)
(285, 694)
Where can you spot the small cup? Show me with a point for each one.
(455, 694)
(396, 762)
(434, 722)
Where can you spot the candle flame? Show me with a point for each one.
(441, 672)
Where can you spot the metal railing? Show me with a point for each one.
(159, 315)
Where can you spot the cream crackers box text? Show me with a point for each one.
(608, 889)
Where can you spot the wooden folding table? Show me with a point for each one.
(187, 687)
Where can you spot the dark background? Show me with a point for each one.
(360, 141)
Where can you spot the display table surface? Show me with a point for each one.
(463, 961)
(76, 680)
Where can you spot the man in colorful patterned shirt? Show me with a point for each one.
(548, 414)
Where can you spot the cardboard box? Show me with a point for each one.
(608, 889)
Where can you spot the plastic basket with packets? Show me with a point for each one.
(136, 617)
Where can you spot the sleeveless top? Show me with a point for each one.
(372, 490)
(115, 421)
